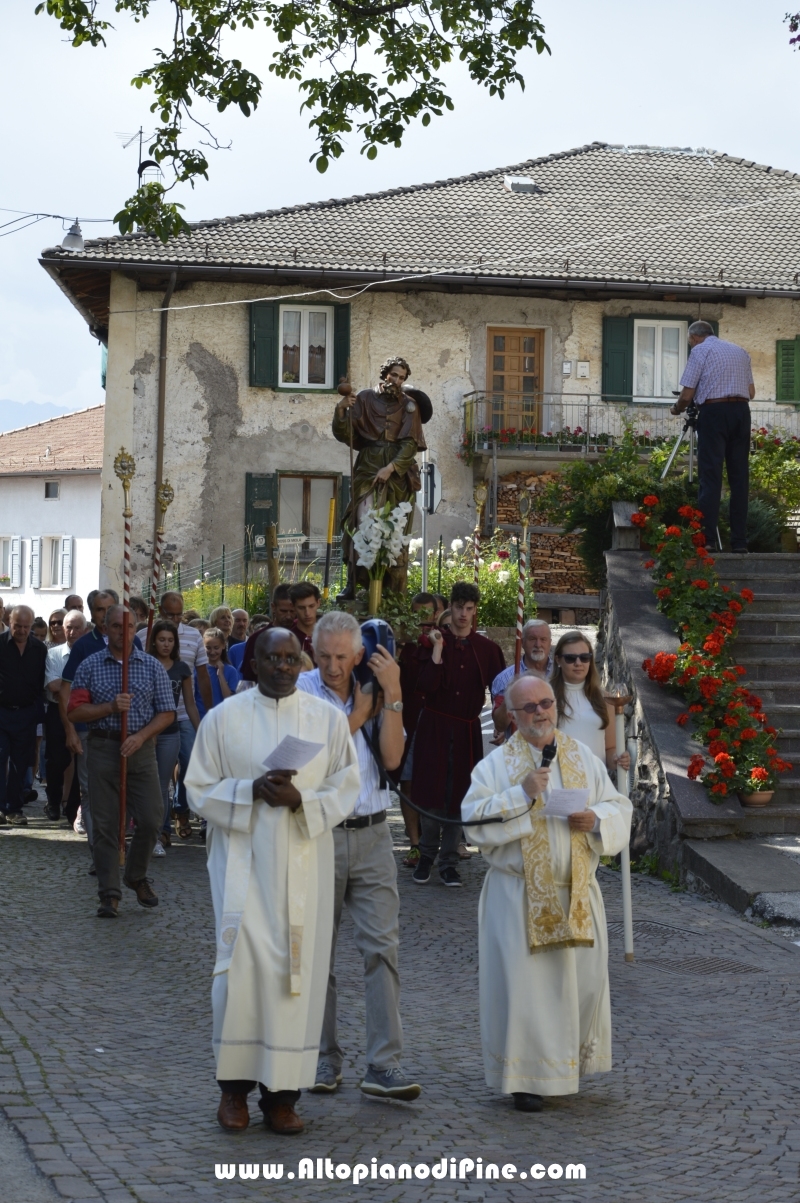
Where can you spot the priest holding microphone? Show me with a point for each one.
(543, 945)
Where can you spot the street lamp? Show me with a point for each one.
(73, 239)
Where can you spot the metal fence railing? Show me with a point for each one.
(236, 567)
(584, 422)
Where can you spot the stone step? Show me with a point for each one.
(766, 646)
(773, 603)
(752, 626)
(743, 872)
(784, 715)
(763, 668)
(775, 693)
(767, 561)
(788, 742)
(761, 583)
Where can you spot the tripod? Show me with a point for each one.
(690, 428)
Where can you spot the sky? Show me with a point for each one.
(720, 75)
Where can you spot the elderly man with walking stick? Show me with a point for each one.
(97, 698)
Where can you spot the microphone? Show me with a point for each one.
(549, 752)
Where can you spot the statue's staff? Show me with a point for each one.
(164, 497)
(481, 494)
(125, 468)
(344, 390)
(524, 510)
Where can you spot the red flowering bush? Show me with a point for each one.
(729, 719)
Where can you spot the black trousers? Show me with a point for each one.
(57, 756)
(723, 437)
(269, 1098)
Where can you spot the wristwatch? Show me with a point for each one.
(393, 705)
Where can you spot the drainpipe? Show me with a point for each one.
(162, 400)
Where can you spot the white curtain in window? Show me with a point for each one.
(645, 361)
(670, 359)
(291, 506)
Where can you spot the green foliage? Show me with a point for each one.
(775, 470)
(326, 48)
(498, 578)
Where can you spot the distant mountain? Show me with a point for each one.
(15, 414)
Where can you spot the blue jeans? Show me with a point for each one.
(167, 749)
(17, 749)
(187, 743)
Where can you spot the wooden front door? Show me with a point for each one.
(514, 377)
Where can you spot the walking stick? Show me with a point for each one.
(165, 496)
(619, 702)
(524, 510)
(125, 467)
(481, 494)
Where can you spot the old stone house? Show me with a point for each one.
(530, 301)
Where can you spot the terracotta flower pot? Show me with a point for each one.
(761, 798)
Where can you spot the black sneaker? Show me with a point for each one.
(450, 876)
(108, 907)
(422, 873)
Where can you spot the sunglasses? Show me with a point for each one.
(573, 657)
(56, 623)
(532, 707)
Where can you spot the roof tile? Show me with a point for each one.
(72, 443)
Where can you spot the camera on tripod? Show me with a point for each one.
(690, 428)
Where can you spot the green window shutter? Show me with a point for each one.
(261, 509)
(341, 343)
(787, 369)
(264, 340)
(617, 358)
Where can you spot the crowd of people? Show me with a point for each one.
(288, 848)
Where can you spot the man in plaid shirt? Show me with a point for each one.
(718, 377)
(97, 699)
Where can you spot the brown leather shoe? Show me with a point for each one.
(284, 1120)
(233, 1114)
(145, 896)
(108, 907)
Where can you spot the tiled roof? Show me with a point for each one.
(72, 443)
(600, 212)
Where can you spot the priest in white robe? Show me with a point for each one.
(271, 865)
(545, 1013)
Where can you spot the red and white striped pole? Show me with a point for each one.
(165, 497)
(524, 510)
(125, 468)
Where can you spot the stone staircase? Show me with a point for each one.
(768, 646)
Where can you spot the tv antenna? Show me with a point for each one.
(149, 166)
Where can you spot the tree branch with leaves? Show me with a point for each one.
(320, 45)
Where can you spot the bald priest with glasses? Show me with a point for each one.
(543, 945)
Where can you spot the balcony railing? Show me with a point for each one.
(584, 423)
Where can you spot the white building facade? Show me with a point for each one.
(50, 510)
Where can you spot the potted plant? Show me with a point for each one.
(379, 541)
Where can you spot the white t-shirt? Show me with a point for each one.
(56, 659)
(192, 653)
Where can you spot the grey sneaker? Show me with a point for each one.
(389, 1084)
(17, 819)
(327, 1079)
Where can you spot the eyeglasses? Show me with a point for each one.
(56, 623)
(572, 657)
(532, 707)
(288, 661)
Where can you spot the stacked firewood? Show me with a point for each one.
(555, 563)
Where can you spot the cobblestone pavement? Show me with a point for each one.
(106, 1068)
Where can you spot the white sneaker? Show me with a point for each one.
(78, 826)
(159, 849)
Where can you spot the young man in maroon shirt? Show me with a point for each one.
(453, 677)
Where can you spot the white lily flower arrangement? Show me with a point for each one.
(380, 538)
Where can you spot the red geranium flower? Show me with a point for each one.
(719, 789)
(672, 530)
(759, 774)
(747, 594)
(650, 499)
(696, 709)
(700, 584)
(682, 720)
(735, 606)
(638, 520)
(686, 511)
(662, 593)
(649, 564)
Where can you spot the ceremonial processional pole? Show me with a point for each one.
(164, 497)
(328, 545)
(619, 701)
(125, 468)
(524, 511)
(481, 494)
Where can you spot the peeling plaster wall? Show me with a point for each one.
(218, 427)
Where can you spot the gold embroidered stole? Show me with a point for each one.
(548, 926)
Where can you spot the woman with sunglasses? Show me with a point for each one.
(56, 634)
(583, 711)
